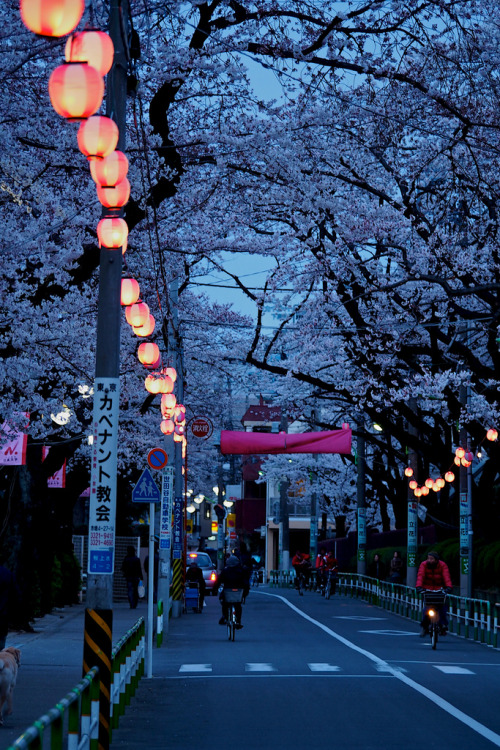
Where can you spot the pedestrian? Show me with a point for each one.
(376, 568)
(156, 565)
(9, 600)
(131, 569)
(396, 568)
(194, 574)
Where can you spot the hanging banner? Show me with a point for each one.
(58, 479)
(412, 540)
(361, 533)
(13, 453)
(102, 506)
(249, 443)
(167, 493)
(178, 528)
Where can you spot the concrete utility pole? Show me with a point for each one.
(360, 494)
(99, 613)
(412, 523)
(284, 530)
(313, 524)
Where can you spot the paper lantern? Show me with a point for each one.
(440, 482)
(178, 438)
(76, 90)
(456, 461)
(449, 476)
(51, 17)
(180, 414)
(148, 354)
(171, 372)
(152, 384)
(491, 435)
(429, 483)
(112, 233)
(435, 487)
(130, 292)
(179, 429)
(460, 452)
(465, 463)
(167, 384)
(424, 490)
(110, 170)
(408, 471)
(167, 426)
(146, 329)
(137, 314)
(97, 137)
(413, 484)
(114, 197)
(418, 492)
(93, 47)
(168, 402)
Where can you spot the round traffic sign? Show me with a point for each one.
(201, 427)
(157, 458)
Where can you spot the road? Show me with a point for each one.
(307, 671)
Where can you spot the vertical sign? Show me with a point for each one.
(102, 509)
(361, 533)
(178, 528)
(412, 540)
(464, 533)
(167, 491)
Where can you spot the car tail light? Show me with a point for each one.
(213, 576)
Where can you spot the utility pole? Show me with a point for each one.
(284, 530)
(313, 524)
(412, 523)
(99, 611)
(360, 494)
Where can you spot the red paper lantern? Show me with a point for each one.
(408, 471)
(167, 426)
(168, 402)
(460, 452)
(418, 492)
(424, 490)
(137, 314)
(449, 476)
(51, 17)
(112, 233)
(492, 435)
(93, 47)
(110, 170)
(76, 90)
(148, 354)
(413, 484)
(180, 414)
(171, 372)
(114, 197)
(97, 137)
(146, 329)
(152, 384)
(130, 292)
(429, 482)
(167, 384)
(178, 438)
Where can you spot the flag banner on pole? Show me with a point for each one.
(58, 479)
(248, 443)
(13, 452)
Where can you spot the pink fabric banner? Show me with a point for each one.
(13, 453)
(247, 443)
(59, 478)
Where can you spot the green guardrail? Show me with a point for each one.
(73, 722)
(476, 619)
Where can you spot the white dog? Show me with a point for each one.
(10, 659)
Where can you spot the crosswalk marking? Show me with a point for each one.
(259, 667)
(453, 670)
(321, 667)
(195, 668)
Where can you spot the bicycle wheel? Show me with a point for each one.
(434, 636)
(328, 589)
(301, 586)
(231, 620)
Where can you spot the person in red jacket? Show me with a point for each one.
(433, 575)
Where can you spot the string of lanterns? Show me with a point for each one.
(463, 457)
(76, 90)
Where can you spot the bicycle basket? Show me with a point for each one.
(232, 595)
(434, 598)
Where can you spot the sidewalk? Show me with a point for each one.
(51, 661)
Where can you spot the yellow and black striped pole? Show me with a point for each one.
(97, 651)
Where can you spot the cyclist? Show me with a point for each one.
(234, 576)
(332, 570)
(320, 566)
(434, 575)
(301, 563)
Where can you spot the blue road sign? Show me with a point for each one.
(146, 491)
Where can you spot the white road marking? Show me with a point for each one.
(453, 670)
(476, 726)
(195, 668)
(389, 632)
(356, 617)
(259, 667)
(320, 667)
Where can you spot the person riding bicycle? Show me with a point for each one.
(332, 570)
(234, 576)
(301, 563)
(320, 566)
(434, 575)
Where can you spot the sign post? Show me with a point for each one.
(146, 491)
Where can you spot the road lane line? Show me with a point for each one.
(380, 664)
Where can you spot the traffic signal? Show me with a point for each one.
(220, 512)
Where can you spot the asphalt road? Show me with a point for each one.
(306, 671)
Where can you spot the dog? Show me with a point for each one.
(10, 659)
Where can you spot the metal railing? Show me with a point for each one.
(81, 705)
(476, 619)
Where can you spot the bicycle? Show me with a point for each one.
(232, 597)
(434, 601)
(331, 583)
